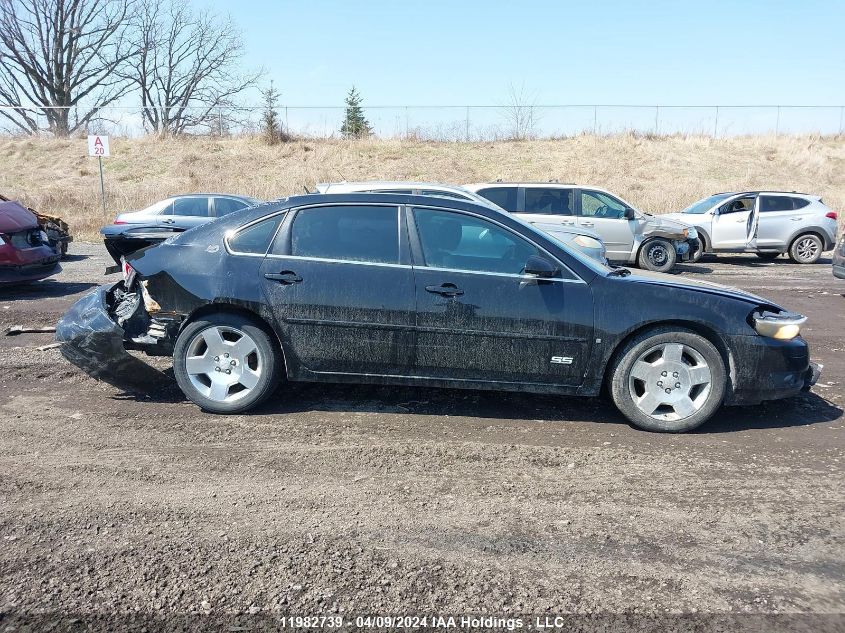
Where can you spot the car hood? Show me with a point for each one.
(14, 218)
(667, 225)
(565, 228)
(682, 218)
(685, 283)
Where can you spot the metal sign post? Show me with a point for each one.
(99, 146)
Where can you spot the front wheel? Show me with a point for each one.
(226, 363)
(658, 255)
(669, 380)
(806, 249)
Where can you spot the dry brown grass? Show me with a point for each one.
(656, 174)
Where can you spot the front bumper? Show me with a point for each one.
(768, 369)
(94, 342)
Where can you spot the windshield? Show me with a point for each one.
(705, 204)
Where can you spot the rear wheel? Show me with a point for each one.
(658, 255)
(806, 249)
(768, 257)
(226, 363)
(669, 380)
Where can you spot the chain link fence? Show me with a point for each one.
(477, 122)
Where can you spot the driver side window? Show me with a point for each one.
(595, 204)
(464, 242)
(738, 205)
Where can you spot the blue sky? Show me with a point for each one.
(442, 52)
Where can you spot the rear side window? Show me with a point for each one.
(776, 203)
(799, 203)
(549, 201)
(197, 207)
(504, 197)
(224, 206)
(255, 239)
(349, 233)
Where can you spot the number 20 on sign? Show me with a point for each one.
(99, 146)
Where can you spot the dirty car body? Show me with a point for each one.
(412, 290)
(26, 253)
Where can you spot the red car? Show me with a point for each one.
(25, 250)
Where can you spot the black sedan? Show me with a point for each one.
(411, 290)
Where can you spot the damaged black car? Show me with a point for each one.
(411, 290)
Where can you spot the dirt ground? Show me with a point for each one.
(372, 500)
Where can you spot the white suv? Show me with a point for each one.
(768, 223)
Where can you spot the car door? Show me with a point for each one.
(604, 214)
(187, 212)
(731, 225)
(339, 280)
(481, 318)
(778, 219)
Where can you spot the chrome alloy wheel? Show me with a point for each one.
(807, 249)
(223, 363)
(670, 382)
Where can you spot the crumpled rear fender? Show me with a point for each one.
(92, 341)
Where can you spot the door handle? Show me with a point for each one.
(742, 221)
(588, 223)
(796, 219)
(447, 290)
(168, 220)
(285, 277)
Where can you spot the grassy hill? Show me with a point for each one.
(657, 174)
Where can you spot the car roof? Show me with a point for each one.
(533, 183)
(762, 191)
(210, 195)
(322, 186)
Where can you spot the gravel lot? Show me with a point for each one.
(351, 500)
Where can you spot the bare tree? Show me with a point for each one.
(187, 68)
(61, 59)
(521, 113)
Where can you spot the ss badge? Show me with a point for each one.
(561, 360)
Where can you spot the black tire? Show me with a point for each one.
(658, 255)
(702, 246)
(267, 357)
(806, 249)
(768, 257)
(623, 386)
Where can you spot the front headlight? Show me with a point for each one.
(780, 325)
(692, 233)
(585, 241)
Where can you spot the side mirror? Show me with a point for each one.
(629, 214)
(540, 267)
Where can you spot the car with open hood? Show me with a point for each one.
(417, 290)
(630, 236)
(26, 252)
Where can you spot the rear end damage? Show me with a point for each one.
(99, 329)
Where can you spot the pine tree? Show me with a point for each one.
(355, 125)
(270, 126)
